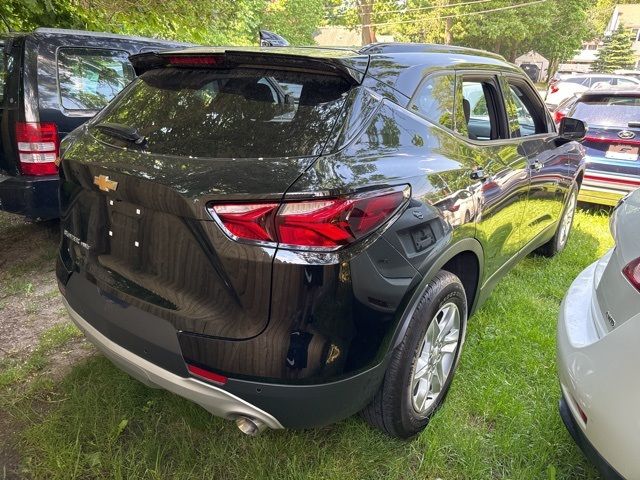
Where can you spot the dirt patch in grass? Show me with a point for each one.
(37, 341)
(29, 300)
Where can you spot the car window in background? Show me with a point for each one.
(608, 110)
(578, 81)
(89, 78)
(230, 114)
(521, 113)
(626, 81)
(435, 100)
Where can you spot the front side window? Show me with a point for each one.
(237, 113)
(435, 100)
(89, 78)
(524, 120)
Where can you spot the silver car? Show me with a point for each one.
(598, 354)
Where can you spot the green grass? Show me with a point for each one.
(12, 371)
(500, 420)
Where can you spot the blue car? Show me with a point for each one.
(612, 143)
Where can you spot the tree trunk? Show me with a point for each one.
(368, 32)
(554, 63)
(448, 36)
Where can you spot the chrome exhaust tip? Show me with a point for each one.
(250, 426)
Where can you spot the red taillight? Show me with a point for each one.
(250, 221)
(632, 272)
(558, 115)
(554, 88)
(207, 375)
(38, 147)
(326, 223)
(195, 60)
(617, 141)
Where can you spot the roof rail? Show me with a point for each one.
(397, 47)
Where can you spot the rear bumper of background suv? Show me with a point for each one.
(33, 197)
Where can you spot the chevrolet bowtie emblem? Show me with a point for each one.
(104, 184)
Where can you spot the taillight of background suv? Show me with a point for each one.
(38, 147)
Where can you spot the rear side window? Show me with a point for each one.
(89, 78)
(238, 113)
(478, 104)
(435, 100)
(608, 110)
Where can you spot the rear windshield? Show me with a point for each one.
(90, 77)
(608, 111)
(238, 113)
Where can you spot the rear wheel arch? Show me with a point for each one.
(454, 259)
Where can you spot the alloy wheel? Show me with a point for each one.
(435, 358)
(567, 220)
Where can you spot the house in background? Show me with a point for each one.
(627, 15)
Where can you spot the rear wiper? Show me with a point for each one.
(123, 132)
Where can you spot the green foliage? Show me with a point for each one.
(295, 20)
(214, 22)
(617, 52)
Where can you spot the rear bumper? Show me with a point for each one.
(147, 347)
(601, 195)
(213, 399)
(32, 197)
(605, 183)
(606, 470)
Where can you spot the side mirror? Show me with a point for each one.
(572, 129)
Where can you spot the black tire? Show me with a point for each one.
(391, 409)
(559, 240)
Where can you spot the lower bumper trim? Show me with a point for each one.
(606, 470)
(213, 399)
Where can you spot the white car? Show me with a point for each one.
(598, 354)
(566, 87)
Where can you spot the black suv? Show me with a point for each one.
(288, 236)
(52, 81)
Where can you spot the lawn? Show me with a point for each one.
(500, 419)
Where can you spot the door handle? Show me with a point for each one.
(478, 174)
(536, 166)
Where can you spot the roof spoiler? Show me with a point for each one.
(346, 68)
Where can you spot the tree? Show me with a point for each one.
(617, 52)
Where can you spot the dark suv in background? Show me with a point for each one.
(52, 81)
(288, 236)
